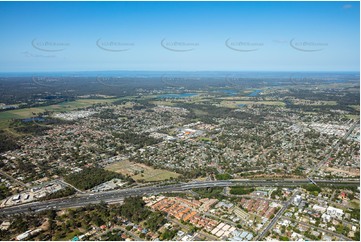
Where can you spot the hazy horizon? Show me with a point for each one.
(179, 36)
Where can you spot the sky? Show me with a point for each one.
(179, 36)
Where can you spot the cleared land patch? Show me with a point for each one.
(351, 173)
(61, 107)
(140, 171)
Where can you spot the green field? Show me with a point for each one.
(356, 107)
(354, 117)
(140, 171)
(155, 175)
(4, 123)
(206, 139)
(163, 103)
(237, 98)
(307, 102)
(355, 203)
(6, 116)
(234, 104)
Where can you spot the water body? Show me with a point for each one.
(254, 93)
(177, 95)
(241, 105)
(27, 120)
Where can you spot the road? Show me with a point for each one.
(329, 153)
(3, 173)
(219, 218)
(256, 198)
(209, 237)
(278, 215)
(68, 185)
(129, 233)
(340, 236)
(118, 195)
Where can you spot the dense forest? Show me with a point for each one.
(8, 142)
(91, 177)
(68, 191)
(241, 190)
(36, 125)
(138, 140)
(4, 191)
(210, 113)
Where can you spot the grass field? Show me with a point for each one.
(164, 103)
(354, 117)
(206, 139)
(6, 116)
(313, 103)
(199, 112)
(234, 104)
(4, 123)
(237, 98)
(140, 171)
(355, 203)
(356, 107)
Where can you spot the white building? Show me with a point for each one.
(23, 235)
(335, 212)
(326, 218)
(16, 197)
(297, 200)
(319, 208)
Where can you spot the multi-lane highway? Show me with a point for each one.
(119, 195)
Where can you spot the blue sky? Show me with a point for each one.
(179, 36)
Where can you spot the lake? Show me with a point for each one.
(254, 93)
(27, 120)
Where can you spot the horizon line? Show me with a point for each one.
(82, 71)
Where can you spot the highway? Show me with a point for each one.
(118, 195)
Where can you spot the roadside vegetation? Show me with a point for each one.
(91, 177)
(241, 190)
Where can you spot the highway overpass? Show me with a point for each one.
(118, 195)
